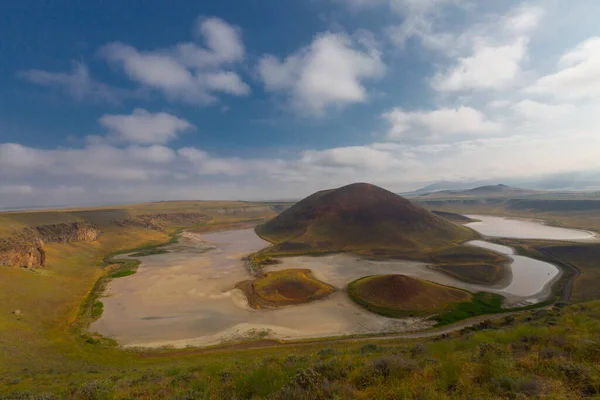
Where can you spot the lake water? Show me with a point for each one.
(187, 297)
(524, 229)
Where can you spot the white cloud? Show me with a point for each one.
(329, 72)
(223, 39)
(444, 121)
(419, 19)
(578, 76)
(187, 72)
(144, 127)
(78, 83)
(534, 110)
(15, 157)
(354, 157)
(489, 67)
(155, 153)
(486, 55)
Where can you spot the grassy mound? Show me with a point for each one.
(403, 296)
(361, 218)
(479, 274)
(286, 287)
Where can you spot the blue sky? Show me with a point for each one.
(146, 100)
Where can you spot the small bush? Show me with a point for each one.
(294, 359)
(393, 366)
(575, 372)
(417, 350)
(530, 387)
(549, 353)
(306, 378)
(334, 369)
(326, 352)
(368, 348)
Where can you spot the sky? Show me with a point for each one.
(110, 102)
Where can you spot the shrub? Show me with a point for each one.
(326, 352)
(417, 350)
(334, 369)
(393, 366)
(549, 353)
(294, 359)
(575, 372)
(368, 348)
(306, 378)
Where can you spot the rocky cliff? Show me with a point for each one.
(25, 248)
(160, 221)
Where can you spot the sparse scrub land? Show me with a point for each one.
(528, 358)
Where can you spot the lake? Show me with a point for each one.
(187, 296)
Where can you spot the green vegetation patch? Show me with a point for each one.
(149, 252)
(122, 273)
(481, 303)
(97, 309)
(402, 296)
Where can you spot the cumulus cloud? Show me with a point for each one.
(444, 121)
(78, 83)
(187, 72)
(144, 127)
(578, 75)
(329, 72)
(488, 67)
(489, 56)
(359, 157)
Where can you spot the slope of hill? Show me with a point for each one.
(403, 296)
(362, 218)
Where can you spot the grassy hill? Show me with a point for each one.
(287, 287)
(403, 296)
(362, 218)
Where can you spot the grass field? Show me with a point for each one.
(403, 296)
(286, 287)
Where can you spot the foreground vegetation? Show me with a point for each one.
(551, 354)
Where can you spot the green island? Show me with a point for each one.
(285, 287)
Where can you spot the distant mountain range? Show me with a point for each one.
(500, 190)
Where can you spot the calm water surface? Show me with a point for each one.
(524, 229)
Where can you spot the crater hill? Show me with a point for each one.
(364, 219)
(403, 296)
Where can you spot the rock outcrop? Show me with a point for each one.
(67, 233)
(160, 221)
(25, 248)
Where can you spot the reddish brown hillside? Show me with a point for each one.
(360, 216)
